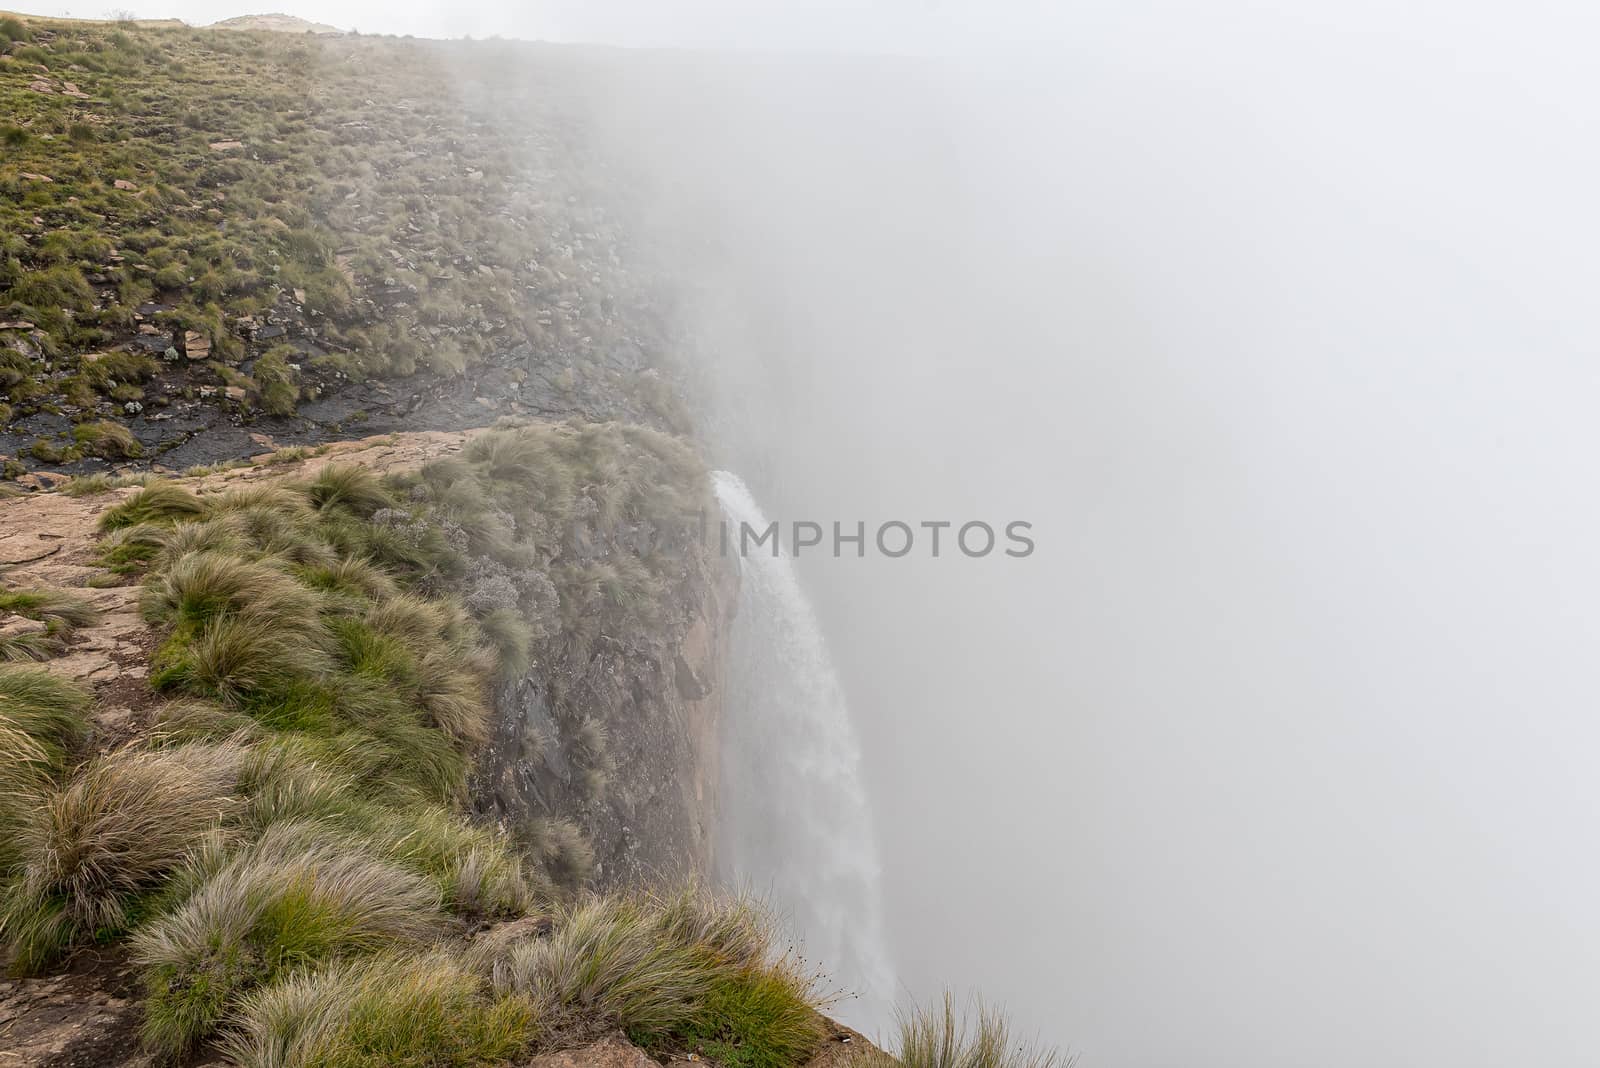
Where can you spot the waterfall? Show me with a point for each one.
(795, 822)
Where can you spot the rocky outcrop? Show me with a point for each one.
(659, 702)
(85, 1017)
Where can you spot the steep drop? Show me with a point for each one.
(796, 825)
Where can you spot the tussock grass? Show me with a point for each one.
(41, 723)
(202, 585)
(126, 550)
(88, 485)
(180, 540)
(192, 720)
(354, 489)
(562, 848)
(354, 576)
(946, 1036)
(478, 872)
(23, 646)
(111, 833)
(757, 1018)
(271, 531)
(606, 965)
(59, 613)
(286, 777)
(231, 657)
(412, 618)
(450, 688)
(381, 1012)
(299, 896)
(111, 441)
(158, 501)
(55, 607)
(671, 971)
(512, 639)
(270, 495)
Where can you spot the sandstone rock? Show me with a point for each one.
(43, 480)
(498, 940)
(226, 146)
(123, 183)
(71, 89)
(16, 324)
(18, 626)
(27, 545)
(42, 86)
(613, 1051)
(30, 176)
(196, 345)
(234, 393)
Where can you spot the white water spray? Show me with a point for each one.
(795, 820)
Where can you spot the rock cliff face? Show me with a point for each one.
(658, 700)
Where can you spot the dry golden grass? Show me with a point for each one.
(111, 833)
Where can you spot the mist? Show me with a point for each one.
(1273, 325)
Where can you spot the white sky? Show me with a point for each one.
(873, 25)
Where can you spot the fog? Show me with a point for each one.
(1278, 750)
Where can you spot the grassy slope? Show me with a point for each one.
(354, 221)
(283, 849)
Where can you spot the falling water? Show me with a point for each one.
(795, 820)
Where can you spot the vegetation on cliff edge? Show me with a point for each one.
(283, 850)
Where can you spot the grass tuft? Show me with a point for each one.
(354, 489)
(111, 833)
(55, 607)
(299, 897)
(41, 723)
(54, 615)
(945, 1037)
(381, 1012)
(202, 585)
(757, 1018)
(156, 502)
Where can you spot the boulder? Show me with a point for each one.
(20, 626)
(123, 183)
(196, 345)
